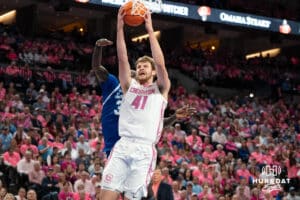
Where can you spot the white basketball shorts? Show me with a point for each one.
(129, 167)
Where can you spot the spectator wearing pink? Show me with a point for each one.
(96, 144)
(217, 189)
(73, 94)
(36, 175)
(95, 124)
(202, 109)
(257, 155)
(230, 145)
(65, 193)
(168, 157)
(84, 99)
(243, 172)
(2, 91)
(58, 96)
(206, 143)
(57, 143)
(170, 133)
(292, 167)
(206, 193)
(25, 165)
(93, 112)
(50, 77)
(67, 161)
(205, 177)
(255, 194)
(194, 141)
(11, 158)
(88, 185)
(52, 105)
(226, 180)
(95, 98)
(84, 112)
(28, 146)
(209, 154)
(81, 194)
(12, 69)
(176, 190)
(204, 129)
(219, 153)
(197, 171)
(267, 158)
(243, 192)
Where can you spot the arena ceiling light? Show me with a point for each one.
(9, 17)
(270, 52)
(146, 36)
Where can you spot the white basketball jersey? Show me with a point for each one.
(142, 112)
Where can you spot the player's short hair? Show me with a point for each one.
(146, 59)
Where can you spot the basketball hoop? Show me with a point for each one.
(138, 6)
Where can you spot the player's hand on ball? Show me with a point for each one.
(121, 15)
(148, 22)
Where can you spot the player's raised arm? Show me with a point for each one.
(163, 80)
(98, 70)
(124, 67)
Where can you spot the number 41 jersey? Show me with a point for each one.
(142, 112)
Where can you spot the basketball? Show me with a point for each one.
(137, 18)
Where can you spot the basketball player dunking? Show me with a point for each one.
(112, 96)
(133, 157)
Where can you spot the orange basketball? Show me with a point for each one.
(135, 19)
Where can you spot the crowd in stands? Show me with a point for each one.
(51, 138)
(52, 145)
(227, 70)
(234, 72)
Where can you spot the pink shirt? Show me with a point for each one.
(292, 170)
(58, 145)
(2, 93)
(177, 195)
(211, 157)
(11, 159)
(65, 195)
(192, 140)
(32, 147)
(209, 196)
(76, 196)
(219, 154)
(208, 179)
(243, 173)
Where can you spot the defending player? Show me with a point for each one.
(111, 95)
(133, 158)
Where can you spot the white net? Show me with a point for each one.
(138, 6)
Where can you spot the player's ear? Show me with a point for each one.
(153, 72)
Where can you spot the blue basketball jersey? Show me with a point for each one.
(112, 98)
